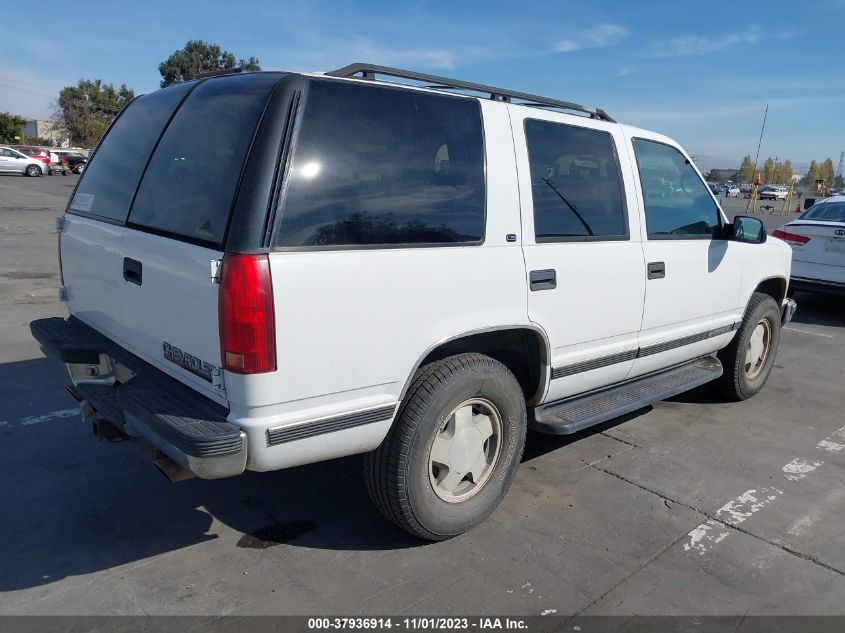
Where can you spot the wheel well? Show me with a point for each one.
(775, 288)
(523, 351)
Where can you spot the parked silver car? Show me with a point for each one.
(12, 161)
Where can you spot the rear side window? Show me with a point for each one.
(384, 166)
(828, 211)
(678, 205)
(111, 177)
(575, 183)
(190, 184)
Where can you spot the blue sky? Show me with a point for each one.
(701, 72)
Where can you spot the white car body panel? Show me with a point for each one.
(363, 339)
(580, 322)
(175, 303)
(823, 257)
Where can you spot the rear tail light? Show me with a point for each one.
(790, 238)
(247, 328)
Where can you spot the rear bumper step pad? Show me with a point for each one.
(193, 424)
(185, 425)
(572, 415)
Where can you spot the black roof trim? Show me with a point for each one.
(369, 71)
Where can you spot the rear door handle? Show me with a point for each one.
(132, 271)
(543, 279)
(656, 270)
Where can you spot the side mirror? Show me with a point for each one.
(747, 229)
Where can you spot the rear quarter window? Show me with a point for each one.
(111, 177)
(190, 184)
(379, 166)
(827, 211)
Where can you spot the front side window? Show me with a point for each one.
(677, 202)
(575, 183)
(384, 166)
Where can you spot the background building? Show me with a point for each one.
(35, 128)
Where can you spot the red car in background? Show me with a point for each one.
(36, 152)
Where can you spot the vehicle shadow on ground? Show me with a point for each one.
(820, 309)
(539, 444)
(74, 505)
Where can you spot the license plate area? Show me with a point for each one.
(835, 245)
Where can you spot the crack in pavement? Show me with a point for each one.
(715, 519)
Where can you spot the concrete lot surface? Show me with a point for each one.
(692, 506)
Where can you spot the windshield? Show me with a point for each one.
(826, 211)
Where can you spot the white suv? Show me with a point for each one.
(269, 269)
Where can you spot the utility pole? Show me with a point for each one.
(753, 197)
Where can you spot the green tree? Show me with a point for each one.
(200, 56)
(769, 170)
(827, 173)
(746, 170)
(85, 111)
(812, 174)
(10, 127)
(785, 172)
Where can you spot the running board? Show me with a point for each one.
(570, 416)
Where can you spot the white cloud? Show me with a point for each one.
(596, 37)
(691, 45)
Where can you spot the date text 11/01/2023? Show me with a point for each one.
(418, 623)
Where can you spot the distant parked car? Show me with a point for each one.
(75, 161)
(773, 193)
(15, 162)
(732, 192)
(36, 152)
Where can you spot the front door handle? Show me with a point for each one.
(656, 270)
(132, 271)
(543, 279)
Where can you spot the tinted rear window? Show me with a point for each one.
(190, 184)
(111, 177)
(827, 211)
(384, 166)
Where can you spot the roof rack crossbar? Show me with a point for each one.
(369, 71)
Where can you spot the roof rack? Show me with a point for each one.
(369, 71)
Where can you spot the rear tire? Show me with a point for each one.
(33, 171)
(453, 450)
(750, 356)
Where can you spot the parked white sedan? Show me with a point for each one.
(817, 238)
(13, 161)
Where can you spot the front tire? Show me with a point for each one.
(750, 356)
(453, 450)
(33, 171)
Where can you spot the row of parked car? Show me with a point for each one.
(35, 161)
(729, 190)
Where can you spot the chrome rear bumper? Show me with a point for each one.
(788, 311)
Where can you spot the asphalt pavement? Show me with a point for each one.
(690, 506)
